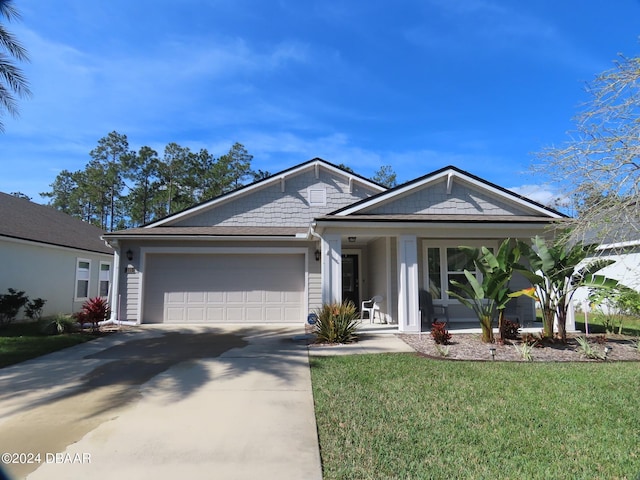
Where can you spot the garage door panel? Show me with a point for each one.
(174, 315)
(234, 314)
(234, 297)
(195, 314)
(175, 297)
(215, 297)
(291, 314)
(195, 297)
(255, 296)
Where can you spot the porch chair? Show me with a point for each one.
(428, 310)
(371, 306)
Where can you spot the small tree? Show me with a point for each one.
(555, 273)
(616, 304)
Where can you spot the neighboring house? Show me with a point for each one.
(275, 250)
(51, 255)
(625, 268)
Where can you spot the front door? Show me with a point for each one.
(350, 280)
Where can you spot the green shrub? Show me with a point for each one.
(10, 305)
(33, 310)
(337, 323)
(58, 325)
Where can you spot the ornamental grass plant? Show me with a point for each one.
(337, 323)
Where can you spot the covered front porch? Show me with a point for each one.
(401, 270)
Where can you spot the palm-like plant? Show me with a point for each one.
(555, 275)
(12, 81)
(489, 296)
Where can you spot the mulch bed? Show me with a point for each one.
(466, 346)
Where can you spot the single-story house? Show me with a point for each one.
(51, 255)
(277, 249)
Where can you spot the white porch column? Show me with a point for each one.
(331, 268)
(571, 318)
(408, 305)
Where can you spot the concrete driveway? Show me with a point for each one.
(229, 402)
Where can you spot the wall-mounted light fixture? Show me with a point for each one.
(352, 239)
(129, 255)
(317, 255)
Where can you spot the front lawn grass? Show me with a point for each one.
(402, 416)
(23, 341)
(630, 325)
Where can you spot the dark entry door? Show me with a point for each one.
(350, 280)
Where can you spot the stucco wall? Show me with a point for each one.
(47, 272)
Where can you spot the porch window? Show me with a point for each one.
(444, 263)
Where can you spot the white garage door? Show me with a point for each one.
(224, 288)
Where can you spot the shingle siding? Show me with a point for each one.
(270, 206)
(463, 200)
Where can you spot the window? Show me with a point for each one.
(443, 264)
(83, 272)
(105, 279)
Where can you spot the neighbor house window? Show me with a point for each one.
(443, 263)
(105, 278)
(83, 273)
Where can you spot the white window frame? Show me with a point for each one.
(81, 273)
(101, 279)
(444, 272)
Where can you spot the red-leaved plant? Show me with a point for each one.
(93, 311)
(439, 333)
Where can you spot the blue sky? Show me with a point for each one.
(416, 84)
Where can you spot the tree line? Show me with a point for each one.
(122, 188)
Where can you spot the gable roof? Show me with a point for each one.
(450, 174)
(24, 220)
(265, 183)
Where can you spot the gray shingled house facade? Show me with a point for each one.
(275, 250)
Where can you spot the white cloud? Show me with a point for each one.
(543, 194)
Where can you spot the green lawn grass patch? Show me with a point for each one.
(23, 341)
(407, 417)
